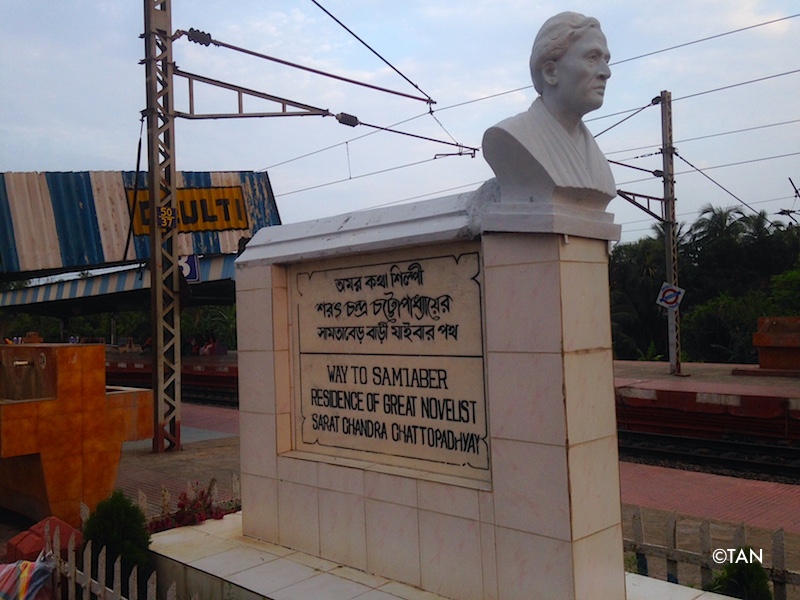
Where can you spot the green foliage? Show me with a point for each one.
(201, 322)
(651, 353)
(721, 330)
(121, 527)
(735, 267)
(786, 292)
(16, 324)
(745, 580)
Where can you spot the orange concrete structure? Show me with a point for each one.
(778, 343)
(61, 430)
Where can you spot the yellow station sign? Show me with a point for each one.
(198, 209)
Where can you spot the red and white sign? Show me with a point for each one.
(670, 296)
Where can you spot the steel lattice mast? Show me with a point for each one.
(164, 268)
(670, 230)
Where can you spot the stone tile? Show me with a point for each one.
(280, 319)
(486, 507)
(282, 382)
(202, 585)
(260, 499)
(239, 558)
(279, 276)
(599, 566)
(585, 306)
(501, 249)
(450, 555)
(382, 486)
(258, 444)
(169, 572)
(272, 576)
(522, 308)
(229, 526)
(489, 562)
(531, 488)
(367, 579)
(256, 382)
(594, 486)
(253, 277)
(322, 586)
(449, 500)
(584, 250)
(645, 588)
(315, 562)
(255, 332)
(283, 423)
(399, 590)
(377, 595)
(299, 517)
(527, 392)
(589, 389)
(528, 563)
(341, 479)
(342, 528)
(297, 471)
(186, 551)
(393, 541)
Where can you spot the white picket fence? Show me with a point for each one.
(778, 574)
(72, 582)
(68, 578)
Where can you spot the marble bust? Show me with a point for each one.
(547, 149)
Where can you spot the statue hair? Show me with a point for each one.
(553, 40)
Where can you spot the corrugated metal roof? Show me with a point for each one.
(69, 221)
(211, 269)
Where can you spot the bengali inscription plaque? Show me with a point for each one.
(389, 359)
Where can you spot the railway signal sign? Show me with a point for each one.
(670, 296)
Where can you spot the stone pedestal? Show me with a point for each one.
(541, 516)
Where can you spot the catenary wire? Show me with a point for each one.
(371, 49)
(625, 112)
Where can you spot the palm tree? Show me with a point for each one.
(717, 223)
(757, 227)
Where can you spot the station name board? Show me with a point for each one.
(198, 209)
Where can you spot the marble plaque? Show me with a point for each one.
(388, 355)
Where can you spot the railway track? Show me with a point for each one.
(733, 457)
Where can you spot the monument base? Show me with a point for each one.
(544, 514)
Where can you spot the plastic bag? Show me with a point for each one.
(27, 580)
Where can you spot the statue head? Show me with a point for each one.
(570, 52)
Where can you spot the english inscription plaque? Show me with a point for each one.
(389, 360)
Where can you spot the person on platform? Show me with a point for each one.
(548, 146)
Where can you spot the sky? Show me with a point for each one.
(72, 88)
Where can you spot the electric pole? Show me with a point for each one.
(164, 268)
(670, 230)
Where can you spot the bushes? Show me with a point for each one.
(747, 580)
(121, 527)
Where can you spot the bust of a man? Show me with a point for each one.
(548, 147)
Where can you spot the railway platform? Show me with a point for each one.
(211, 449)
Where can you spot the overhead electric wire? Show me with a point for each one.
(724, 166)
(628, 112)
(704, 137)
(193, 33)
(371, 49)
(694, 212)
(705, 39)
(378, 172)
(718, 184)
